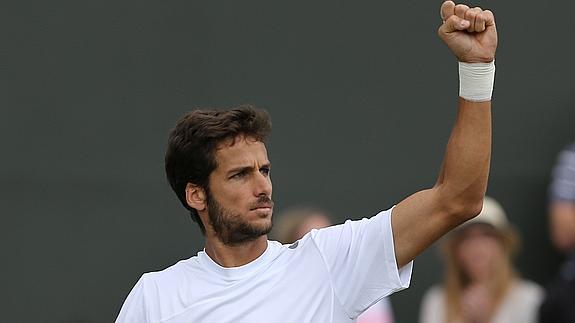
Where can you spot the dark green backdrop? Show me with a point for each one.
(362, 97)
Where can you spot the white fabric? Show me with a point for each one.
(379, 313)
(519, 305)
(330, 275)
(476, 81)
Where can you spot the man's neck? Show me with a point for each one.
(236, 255)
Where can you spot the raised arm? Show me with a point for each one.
(425, 216)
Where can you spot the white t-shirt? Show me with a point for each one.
(519, 305)
(330, 275)
(378, 313)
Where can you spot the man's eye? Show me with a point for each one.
(265, 171)
(239, 175)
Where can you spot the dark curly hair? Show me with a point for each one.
(192, 144)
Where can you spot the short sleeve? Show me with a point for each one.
(134, 308)
(360, 258)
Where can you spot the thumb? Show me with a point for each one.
(453, 24)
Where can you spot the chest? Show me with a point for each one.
(291, 289)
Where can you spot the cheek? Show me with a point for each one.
(228, 196)
(232, 199)
(466, 253)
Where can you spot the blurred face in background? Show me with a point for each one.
(479, 251)
(314, 221)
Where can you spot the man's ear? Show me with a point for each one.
(196, 197)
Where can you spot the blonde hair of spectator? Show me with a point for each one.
(502, 277)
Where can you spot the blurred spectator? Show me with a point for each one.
(481, 284)
(295, 223)
(559, 303)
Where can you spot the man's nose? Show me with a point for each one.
(263, 185)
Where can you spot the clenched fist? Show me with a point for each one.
(468, 32)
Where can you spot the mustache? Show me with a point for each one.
(263, 201)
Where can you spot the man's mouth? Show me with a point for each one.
(264, 205)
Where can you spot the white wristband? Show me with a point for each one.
(476, 81)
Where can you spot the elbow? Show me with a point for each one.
(472, 209)
(466, 208)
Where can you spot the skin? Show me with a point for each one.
(457, 196)
(562, 225)
(239, 182)
(476, 304)
(417, 221)
(478, 254)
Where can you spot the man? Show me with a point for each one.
(559, 299)
(217, 164)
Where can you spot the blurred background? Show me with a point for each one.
(362, 97)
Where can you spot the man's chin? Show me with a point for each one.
(262, 229)
(263, 212)
(247, 234)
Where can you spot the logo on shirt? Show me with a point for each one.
(294, 245)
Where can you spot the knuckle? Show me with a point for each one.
(478, 17)
(461, 8)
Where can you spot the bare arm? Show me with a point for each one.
(457, 196)
(562, 224)
(562, 205)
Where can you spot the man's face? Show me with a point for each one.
(239, 196)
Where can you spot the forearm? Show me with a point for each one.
(463, 178)
(425, 216)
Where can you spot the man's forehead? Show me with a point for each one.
(233, 141)
(241, 151)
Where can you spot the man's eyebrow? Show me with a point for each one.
(246, 168)
(240, 169)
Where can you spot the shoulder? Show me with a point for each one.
(159, 294)
(376, 223)
(570, 147)
(528, 291)
(567, 155)
(173, 276)
(528, 286)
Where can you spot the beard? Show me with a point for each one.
(230, 227)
